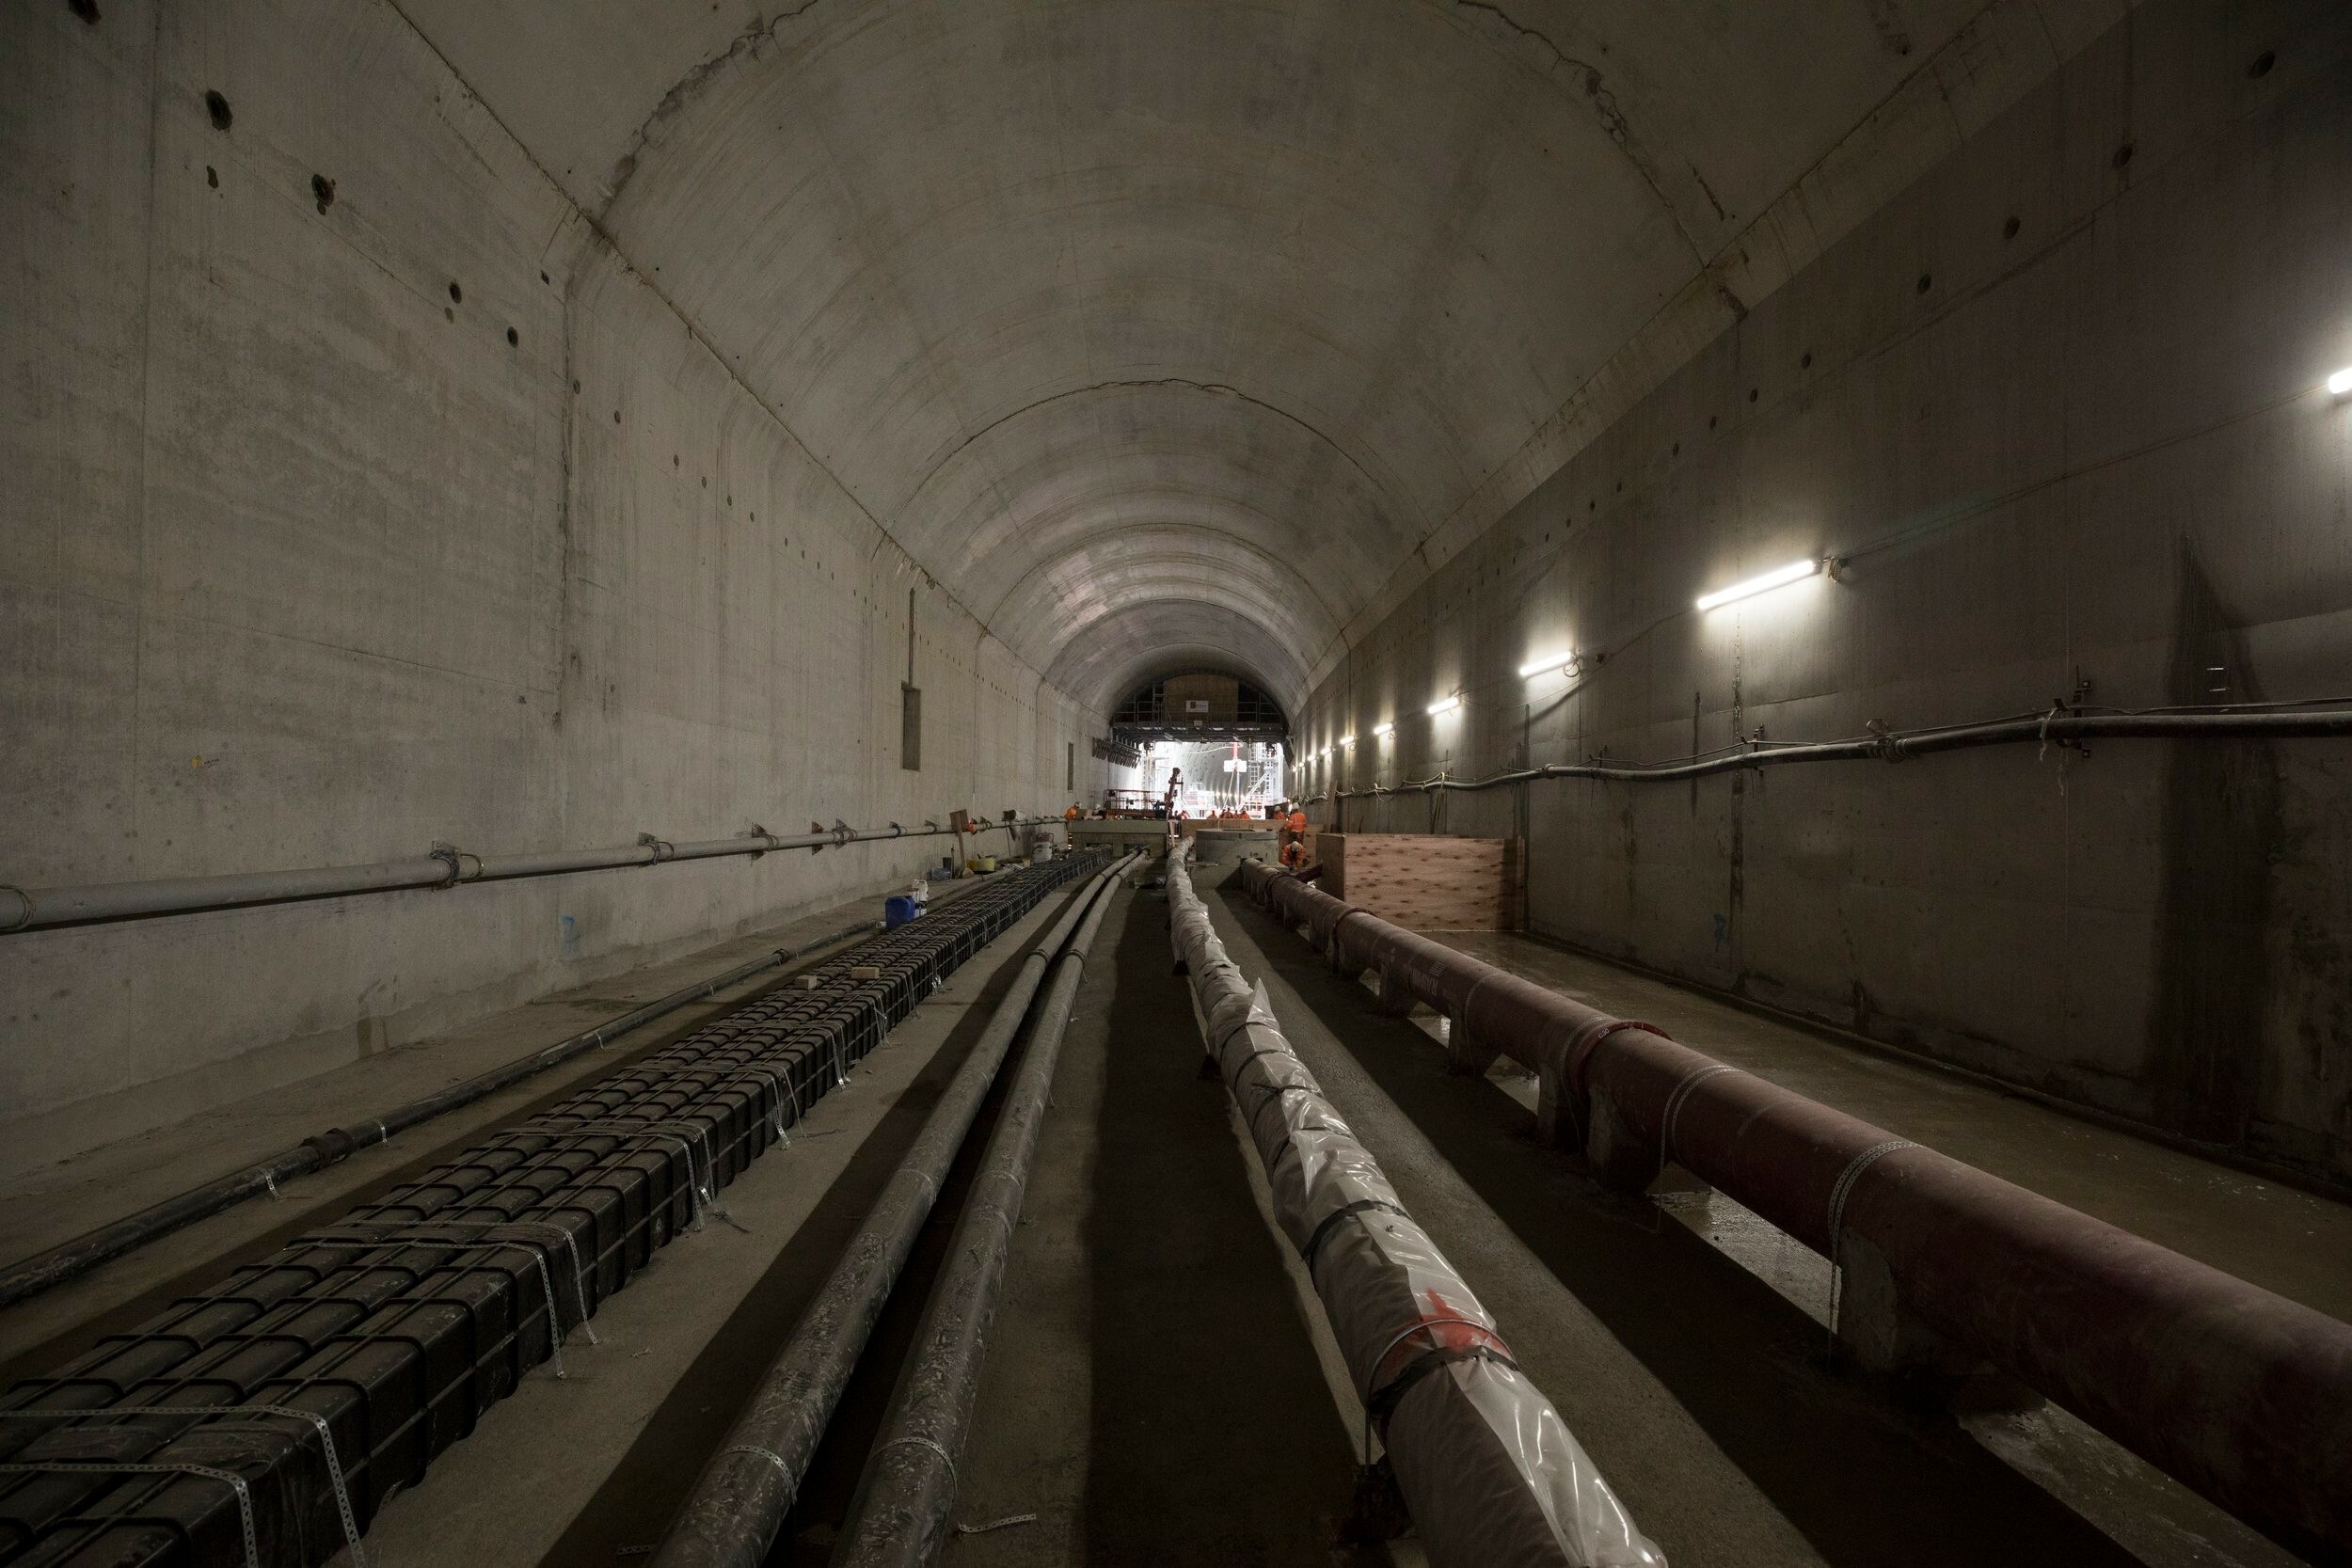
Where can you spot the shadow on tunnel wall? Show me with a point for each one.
(2218, 833)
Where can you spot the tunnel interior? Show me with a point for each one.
(1825, 527)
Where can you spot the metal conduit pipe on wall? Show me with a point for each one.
(739, 1501)
(32, 909)
(2241, 1394)
(2061, 727)
(899, 1516)
(1486, 1467)
(71, 1258)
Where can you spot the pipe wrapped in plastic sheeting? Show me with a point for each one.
(2238, 1393)
(1492, 1476)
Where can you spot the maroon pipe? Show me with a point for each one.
(2239, 1393)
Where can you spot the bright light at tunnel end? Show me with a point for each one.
(2340, 382)
(1446, 707)
(1796, 571)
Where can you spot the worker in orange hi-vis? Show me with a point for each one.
(1294, 838)
(1073, 814)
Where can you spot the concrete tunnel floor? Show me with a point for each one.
(1158, 1389)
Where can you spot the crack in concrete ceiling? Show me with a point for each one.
(1169, 328)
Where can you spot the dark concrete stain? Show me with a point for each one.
(2219, 830)
(1888, 20)
(682, 93)
(1712, 199)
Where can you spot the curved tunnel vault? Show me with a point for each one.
(486, 484)
(1152, 327)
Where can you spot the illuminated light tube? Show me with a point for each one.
(2340, 382)
(1796, 571)
(1347, 740)
(1382, 732)
(1446, 707)
(1545, 666)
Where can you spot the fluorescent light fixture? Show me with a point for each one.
(1382, 732)
(1545, 666)
(2340, 382)
(1347, 740)
(1446, 707)
(1796, 571)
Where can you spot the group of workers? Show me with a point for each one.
(1291, 830)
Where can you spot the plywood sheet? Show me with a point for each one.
(1425, 881)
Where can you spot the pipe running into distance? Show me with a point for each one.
(72, 1258)
(2061, 727)
(2239, 1393)
(32, 909)
(739, 1501)
(899, 1516)
(1486, 1467)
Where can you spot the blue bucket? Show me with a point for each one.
(900, 907)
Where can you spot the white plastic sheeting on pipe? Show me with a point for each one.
(1491, 1474)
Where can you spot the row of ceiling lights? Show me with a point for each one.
(1571, 663)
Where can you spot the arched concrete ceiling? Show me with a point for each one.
(1164, 331)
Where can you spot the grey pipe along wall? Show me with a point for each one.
(443, 866)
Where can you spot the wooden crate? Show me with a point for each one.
(1425, 882)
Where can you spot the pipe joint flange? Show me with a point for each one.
(1576, 1058)
(333, 1147)
(768, 840)
(23, 915)
(662, 848)
(843, 833)
(462, 866)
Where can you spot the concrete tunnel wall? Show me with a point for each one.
(2059, 401)
(1359, 348)
(331, 528)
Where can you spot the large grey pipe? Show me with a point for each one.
(30, 909)
(739, 1501)
(899, 1517)
(72, 1258)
